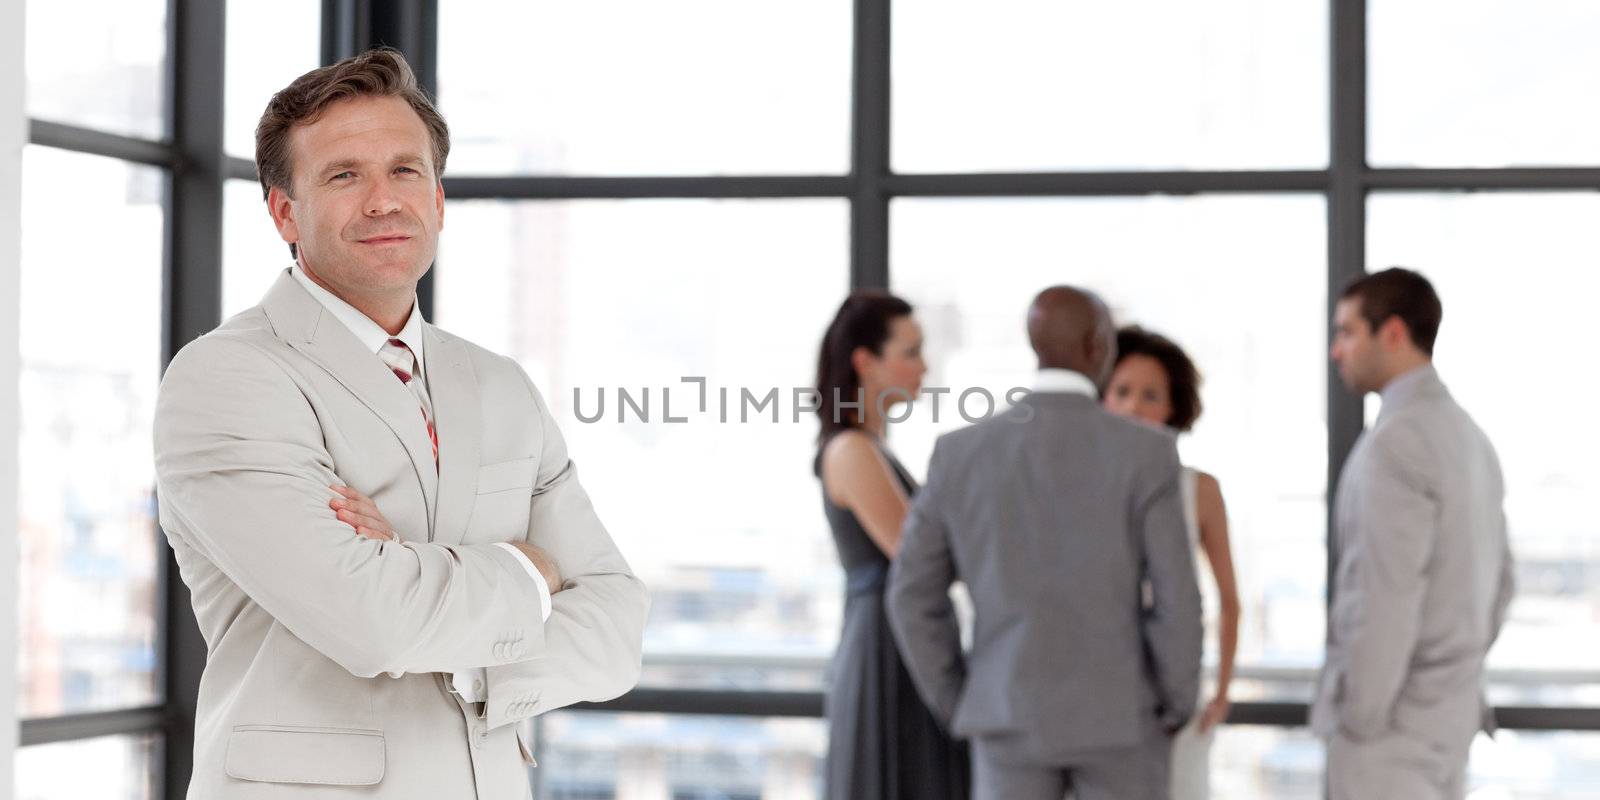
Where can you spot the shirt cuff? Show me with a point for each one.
(469, 683)
(536, 575)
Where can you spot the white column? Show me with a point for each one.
(13, 135)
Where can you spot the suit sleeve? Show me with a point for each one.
(594, 636)
(1507, 584)
(918, 596)
(1380, 615)
(243, 474)
(1171, 626)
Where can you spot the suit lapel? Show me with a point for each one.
(457, 413)
(307, 327)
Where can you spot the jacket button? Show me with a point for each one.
(477, 686)
(480, 735)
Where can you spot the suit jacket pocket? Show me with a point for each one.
(506, 475)
(303, 754)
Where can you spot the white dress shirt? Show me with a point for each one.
(1064, 381)
(467, 683)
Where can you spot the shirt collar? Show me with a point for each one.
(371, 335)
(1064, 381)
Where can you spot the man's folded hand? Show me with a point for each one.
(358, 511)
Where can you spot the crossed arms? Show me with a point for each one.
(243, 474)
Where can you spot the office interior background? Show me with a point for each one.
(641, 191)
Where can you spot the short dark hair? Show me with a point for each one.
(863, 320)
(1403, 293)
(379, 72)
(1182, 376)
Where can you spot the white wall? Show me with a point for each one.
(13, 134)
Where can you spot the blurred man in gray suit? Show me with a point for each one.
(1424, 567)
(1054, 513)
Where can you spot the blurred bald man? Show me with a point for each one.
(1054, 513)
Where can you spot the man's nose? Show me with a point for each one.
(381, 200)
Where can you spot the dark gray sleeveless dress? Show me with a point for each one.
(883, 744)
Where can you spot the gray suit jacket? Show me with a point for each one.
(303, 620)
(1053, 513)
(1424, 574)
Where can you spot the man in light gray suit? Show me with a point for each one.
(390, 556)
(1424, 573)
(1055, 513)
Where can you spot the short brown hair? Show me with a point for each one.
(380, 72)
(1183, 379)
(1399, 292)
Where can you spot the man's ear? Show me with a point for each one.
(1394, 334)
(281, 207)
(1094, 345)
(439, 201)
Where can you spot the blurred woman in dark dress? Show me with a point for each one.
(883, 743)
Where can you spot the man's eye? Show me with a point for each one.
(407, 169)
(345, 174)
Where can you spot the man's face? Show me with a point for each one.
(367, 205)
(1356, 348)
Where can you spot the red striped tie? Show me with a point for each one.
(399, 358)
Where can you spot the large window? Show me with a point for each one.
(1031, 85)
(106, 768)
(120, 263)
(1205, 168)
(646, 192)
(1236, 279)
(602, 300)
(638, 87)
(96, 201)
(1515, 272)
(610, 755)
(268, 45)
(1484, 83)
(90, 364)
(100, 64)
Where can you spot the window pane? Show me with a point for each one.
(108, 768)
(91, 358)
(1535, 765)
(1484, 83)
(637, 87)
(252, 253)
(1518, 274)
(589, 755)
(268, 45)
(100, 63)
(1239, 281)
(1029, 85)
(723, 520)
(1258, 762)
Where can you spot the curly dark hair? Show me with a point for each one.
(1182, 376)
